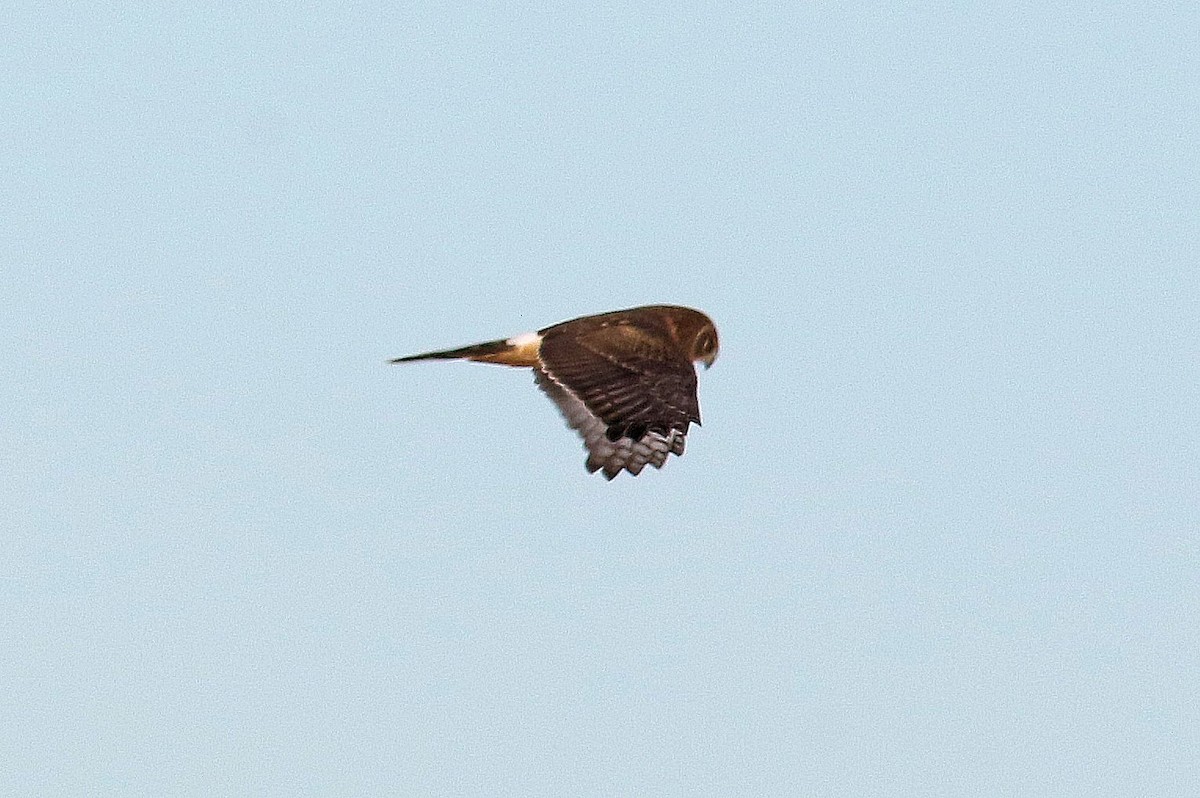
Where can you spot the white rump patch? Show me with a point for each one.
(524, 339)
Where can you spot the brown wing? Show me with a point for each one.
(626, 386)
(612, 456)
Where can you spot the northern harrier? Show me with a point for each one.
(624, 379)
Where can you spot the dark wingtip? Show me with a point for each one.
(592, 467)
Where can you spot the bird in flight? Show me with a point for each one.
(624, 380)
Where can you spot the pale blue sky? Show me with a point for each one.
(937, 535)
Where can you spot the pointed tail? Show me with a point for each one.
(519, 351)
(473, 352)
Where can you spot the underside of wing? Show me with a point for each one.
(605, 454)
(633, 378)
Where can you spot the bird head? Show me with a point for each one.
(705, 345)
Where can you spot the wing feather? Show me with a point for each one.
(627, 389)
(603, 453)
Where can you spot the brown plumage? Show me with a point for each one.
(624, 380)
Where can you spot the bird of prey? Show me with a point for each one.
(624, 380)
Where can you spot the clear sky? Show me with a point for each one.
(937, 535)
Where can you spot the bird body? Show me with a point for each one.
(624, 380)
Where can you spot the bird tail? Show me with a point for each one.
(462, 353)
(521, 351)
